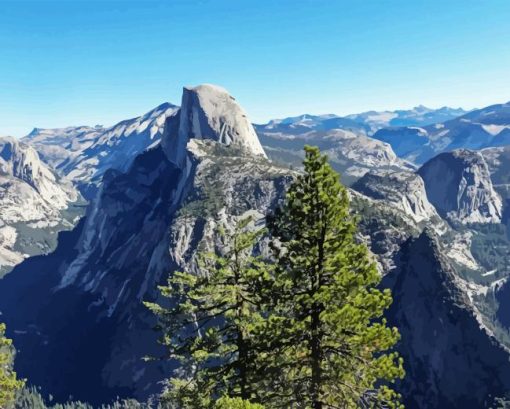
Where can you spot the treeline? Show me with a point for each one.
(31, 398)
(302, 327)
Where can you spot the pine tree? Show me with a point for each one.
(329, 338)
(235, 403)
(9, 384)
(209, 327)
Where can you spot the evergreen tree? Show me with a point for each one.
(235, 403)
(209, 327)
(326, 328)
(8, 382)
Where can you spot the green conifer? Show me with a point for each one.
(209, 328)
(9, 384)
(329, 338)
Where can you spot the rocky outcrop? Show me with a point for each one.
(33, 203)
(451, 361)
(498, 160)
(459, 185)
(210, 112)
(404, 191)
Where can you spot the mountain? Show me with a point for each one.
(477, 129)
(209, 112)
(76, 314)
(83, 154)
(402, 190)
(417, 116)
(352, 154)
(459, 185)
(145, 223)
(305, 123)
(346, 140)
(34, 204)
(365, 122)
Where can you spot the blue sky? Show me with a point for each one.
(98, 62)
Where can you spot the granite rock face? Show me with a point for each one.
(210, 112)
(402, 190)
(459, 185)
(33, 203)
(451, 360)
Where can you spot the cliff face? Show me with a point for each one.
(402, 190)
(33, 203)
(459, 185)
(450, 360)
(209, 112)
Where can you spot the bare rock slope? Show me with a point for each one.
(33, 203)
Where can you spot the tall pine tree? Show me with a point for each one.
(210, 327)
(326, 328)
(9, 385)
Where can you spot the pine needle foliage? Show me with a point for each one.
(208, 330)
(9, 384)
(329, 338)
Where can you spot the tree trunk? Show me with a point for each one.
(315, 346)
(315, 327)
(243, 358)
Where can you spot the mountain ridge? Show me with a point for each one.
(33, 202)
(478, 129)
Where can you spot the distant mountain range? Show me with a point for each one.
(417, 116)
(478, 129)
(347, 140)
(368, 122)
(85, 153)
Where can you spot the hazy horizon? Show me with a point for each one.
(71, 63)
(107, 125)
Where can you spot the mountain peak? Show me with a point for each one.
(210, 112)
(458, 184)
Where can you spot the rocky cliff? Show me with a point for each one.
(404, 191)
(451, 361)
(459, 185)
(33, 204)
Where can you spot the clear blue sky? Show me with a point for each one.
(97, 62)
